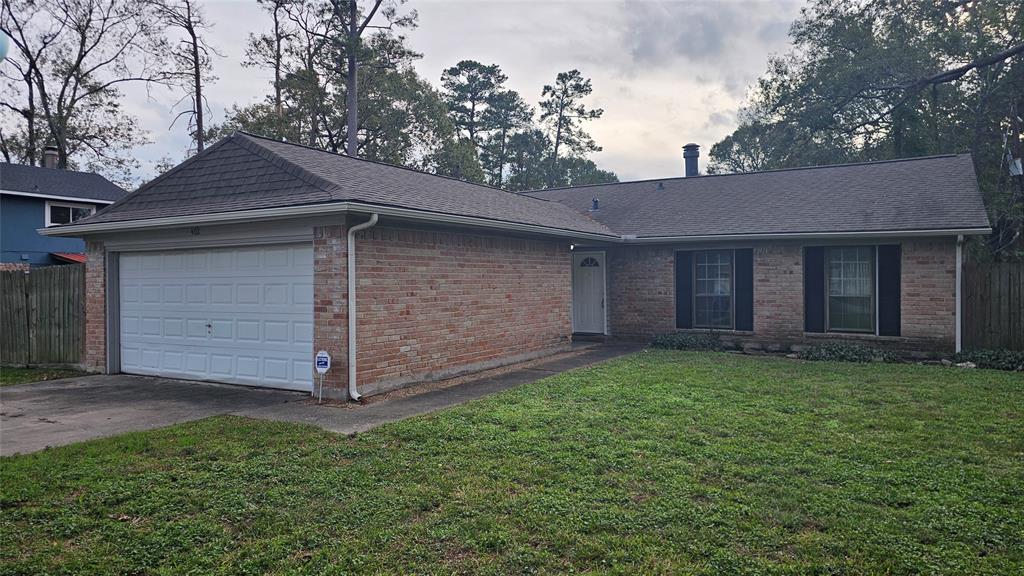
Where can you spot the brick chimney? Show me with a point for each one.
(51, 157)
(690, 154)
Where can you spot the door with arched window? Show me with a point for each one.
(588, 286)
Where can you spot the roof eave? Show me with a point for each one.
(316, 210)
(971, 231)
(56, 197)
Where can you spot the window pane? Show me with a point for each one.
(79, 213)
(713, 312)
(59, 214)
(851, 286)
(850, 313)
(712, 305)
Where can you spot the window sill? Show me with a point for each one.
(728, 331)
(853, 336)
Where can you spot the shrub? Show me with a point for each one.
(682, 341)
(842, 352)
(996, 359)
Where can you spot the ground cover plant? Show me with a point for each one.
(661, 462)
(11, 376)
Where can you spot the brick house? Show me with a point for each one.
(239, 263)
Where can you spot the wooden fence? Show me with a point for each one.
(993, 306)
(42, 315)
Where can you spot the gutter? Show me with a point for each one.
(437, 217)
(353, 392)
(315, 210)
(633, 239)
(959, 290)
(55, 197)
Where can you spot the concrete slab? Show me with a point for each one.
(35, 416)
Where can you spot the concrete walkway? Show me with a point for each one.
(350, 420)
(39, 415)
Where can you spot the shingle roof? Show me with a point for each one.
(246, 172)
(53, 182)
(933, 193)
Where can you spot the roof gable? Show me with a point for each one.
(245, 172)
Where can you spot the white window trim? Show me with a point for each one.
(732, 291)
(874, 291)
(49, 203)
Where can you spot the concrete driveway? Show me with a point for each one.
(35, 416)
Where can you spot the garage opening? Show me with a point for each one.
(240, 315)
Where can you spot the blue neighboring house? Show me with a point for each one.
(33, 197)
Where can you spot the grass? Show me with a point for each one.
(662, 462)
(11, 376)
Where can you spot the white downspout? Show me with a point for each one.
(353, 393)
(959, 297)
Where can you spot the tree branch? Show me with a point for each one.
(959, 72)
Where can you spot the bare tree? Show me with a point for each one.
(68, 60)
(192, 58)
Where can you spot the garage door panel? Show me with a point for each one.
(240, 315)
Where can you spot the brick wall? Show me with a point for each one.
(14, 267)
(330, 304)
(641, 291)
(436, 303)
(95, 353)
(641, 296)
(928, 292)
(779, 291)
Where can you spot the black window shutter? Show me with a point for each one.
(744, 304)
(889, 290)
(684, 289)
(814, 289)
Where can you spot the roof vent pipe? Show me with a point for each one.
(690, 154)
(51, 157)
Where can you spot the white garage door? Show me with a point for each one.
(241, 315)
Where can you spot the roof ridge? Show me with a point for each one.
(775, 170)
(59, 170)
(381, 163)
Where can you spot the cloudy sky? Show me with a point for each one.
(665, 73)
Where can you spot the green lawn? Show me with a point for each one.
(9, 376)
(663, 462)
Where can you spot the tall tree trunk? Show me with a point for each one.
(32, 146)
(502, 157)
(352, 81)
(278, 107)
(558, 142)
(197, 77)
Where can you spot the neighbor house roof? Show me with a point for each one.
(54, 183)
(73, 257)
(927, 194)
(244, 173)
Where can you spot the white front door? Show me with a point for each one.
(588, 292)
(242, 315)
